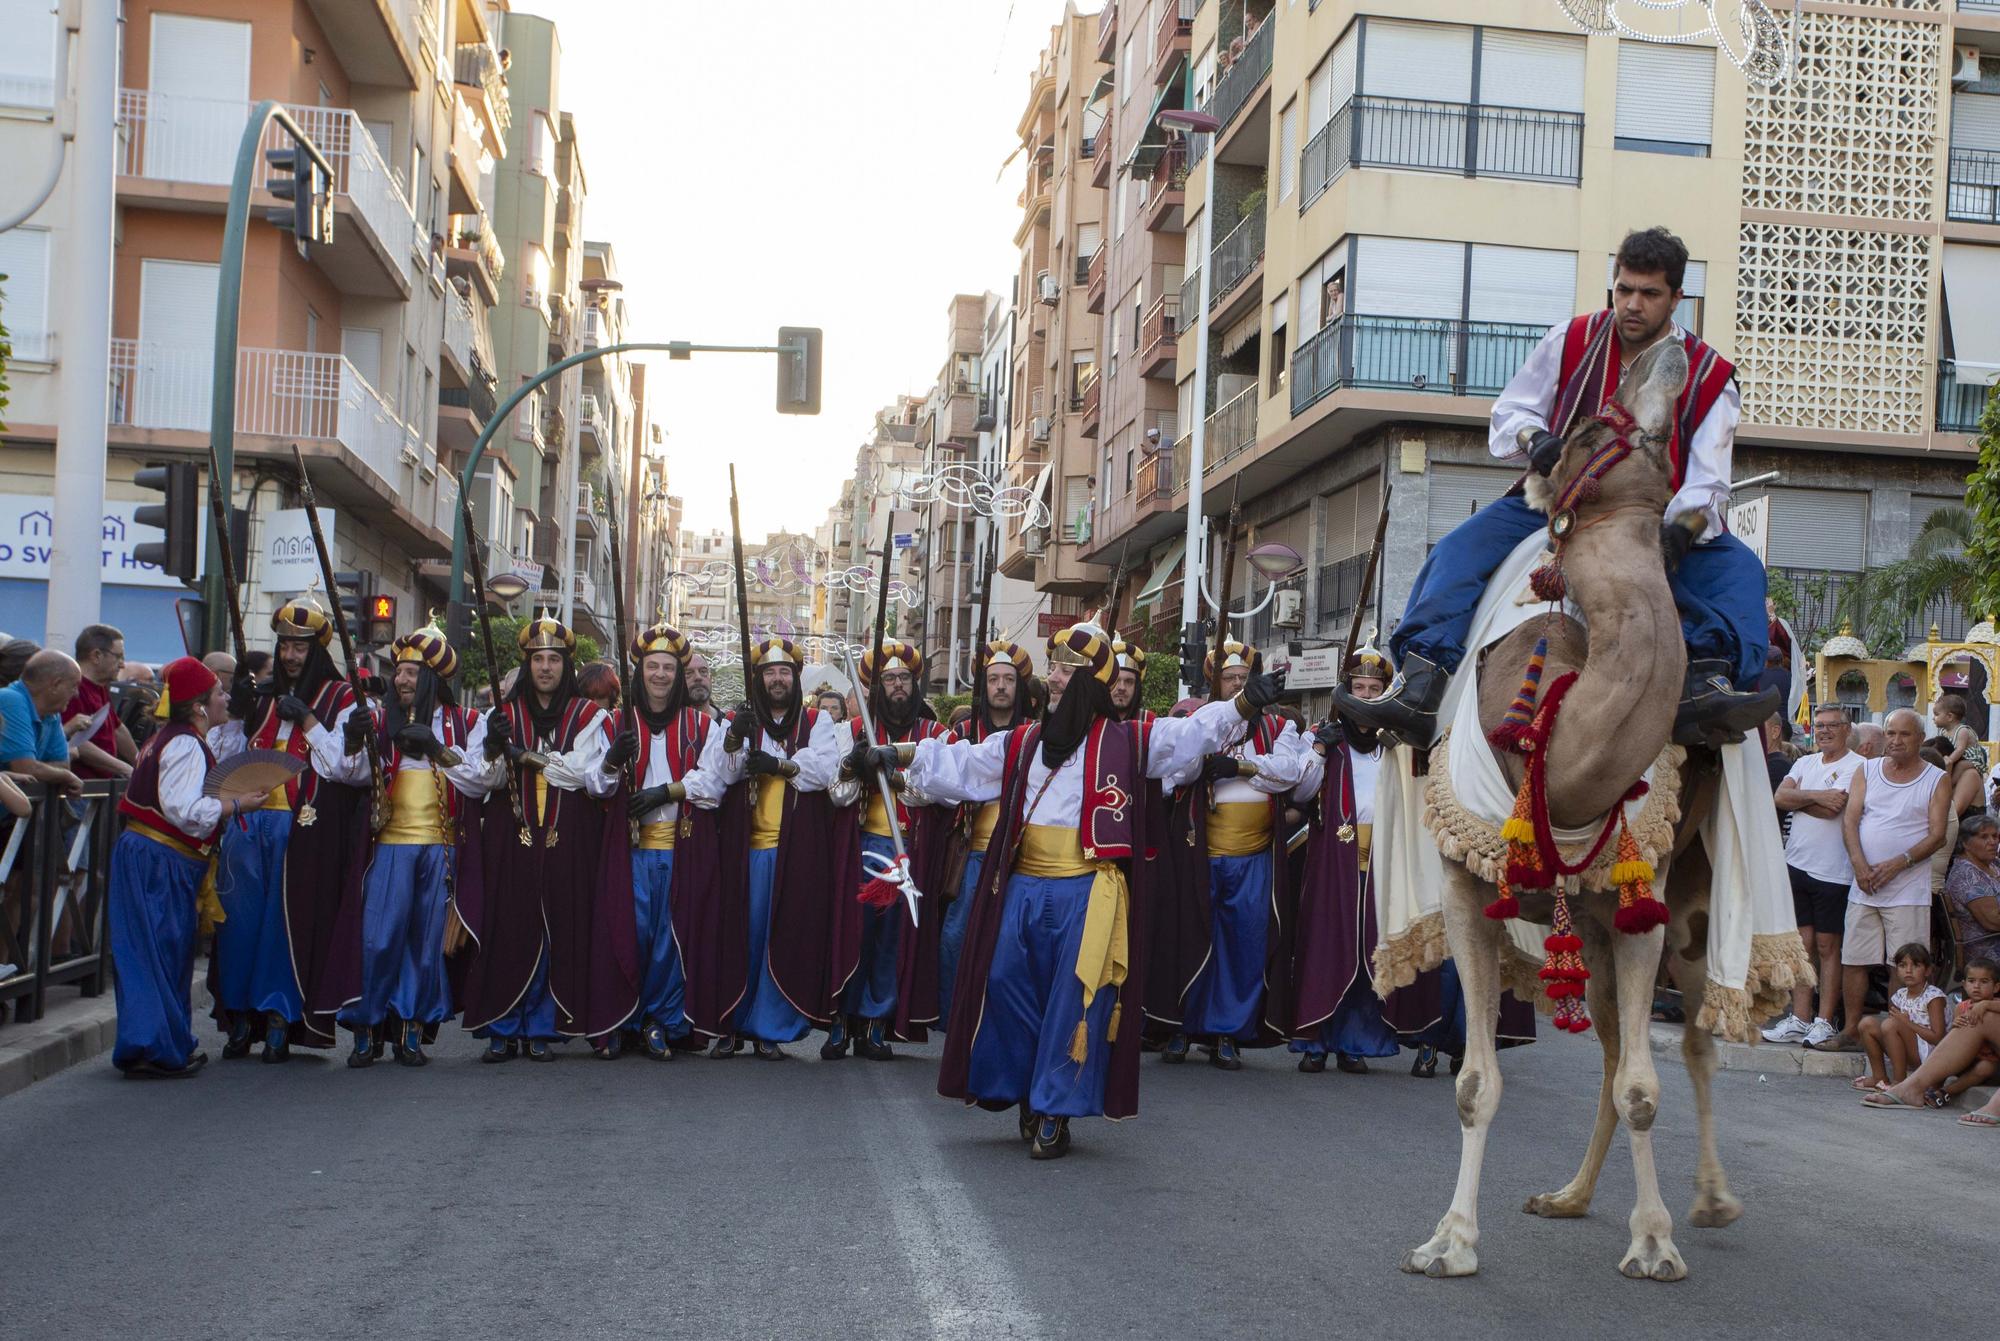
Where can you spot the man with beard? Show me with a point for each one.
(551, 915)
(1226, 805)
(1057, 929)
(387, 973)
(700, 686)
(892, 987)
(283, 869)
(787, 868)
(997, 705)
(1131, 677)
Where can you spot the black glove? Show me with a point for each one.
(1263, 690)
(417, 740)
(1218, 767)
(1675, 541)
(1544, 450)
(1330, 734)
(499, 731)
(359, 723)
(292, 709)
(740, 727)
(242, 696)
(648, 799)
(764, 764)
(623, 746)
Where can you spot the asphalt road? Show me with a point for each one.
(805, 1199)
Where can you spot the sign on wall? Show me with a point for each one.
(1751, 523)
(27, 529)
(290, 563)
(1313, 668)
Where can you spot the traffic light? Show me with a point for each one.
(356, 599)
(798, 373)
(1194, 650)
(179, 516)
(381, 620)
(308, 212)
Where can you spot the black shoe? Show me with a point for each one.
(1051, 1139)
(771, 1052)
(723, 1048)
(147, 1069)
(277, 1044)
(1027, 1124)
(431, 1033)
(837, 1039)
(538, 1051)
(239, 1038)
(364, 1050)
(1714, 712)
(609, 1048)
(1408, 712)
(872, 1045)
(499, 1050)
(655, 1037)
(410, 1052)
(1313, 1063)
(1354, 1066)
(1223, 1055)
(1176, 1050)
(1426, 1064)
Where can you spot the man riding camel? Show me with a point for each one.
(1717, 581)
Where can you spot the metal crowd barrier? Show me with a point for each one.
(55, 872)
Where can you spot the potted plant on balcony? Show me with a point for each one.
(1250, 204)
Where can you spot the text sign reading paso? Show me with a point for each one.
(1751, 523)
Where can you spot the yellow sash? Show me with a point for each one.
(165, 840)
(875, 819)
(414, 818)
(1239, 828)
(658, 836)
(984, 823)
(278, 798)
(768, 813)
(1364, 838)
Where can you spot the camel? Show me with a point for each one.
(1616, 721)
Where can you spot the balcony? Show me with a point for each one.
(1107, 30)
(180, 153)
(593, 328)
(1239, 253)
(1100, 159)
(378, 41)
(586, 593)
(590, 418)
(444, 506)
(1092, 406)
(1972, 184)
(1191, 292)
(1158, 336)
(1166, 197)
(569, 213)
(459, 325)
(586, 509)
(984, 419)
(1232, 429)
(471, 249)
(462, 412)
(1173, 37)
(476, 69)
(1516, 143)
(1449, 358)
(562, 324)
(1092, 277)
(1244, 77)
(528, 422)
(1959, 404)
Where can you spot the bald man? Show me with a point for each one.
(1868, 740)
(32, 743)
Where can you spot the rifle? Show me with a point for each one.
(478, 566)
(754, 700)
(980, 636)
(1367, 581)
(378, 810)
(218, 508)
(1228, 572)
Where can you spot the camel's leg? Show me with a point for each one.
(1601, 996)
(1652, 1254)
(1714, 1204)
(1475, 942)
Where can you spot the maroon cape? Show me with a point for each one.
(712, 913)
(1333, 912)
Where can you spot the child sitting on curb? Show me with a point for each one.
(1900, 1041)
(1982, 979)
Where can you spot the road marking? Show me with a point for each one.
(961, 1273)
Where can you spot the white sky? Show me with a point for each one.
(795, 162)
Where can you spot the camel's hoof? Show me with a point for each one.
(1440, 1259)
(1563, 1205)
(1653, 1258)
(1714, 1210)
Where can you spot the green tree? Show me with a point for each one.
(1882, 602)
(507, 647)
(1982, 502)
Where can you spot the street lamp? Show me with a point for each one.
(506, 586)
(1195, 123)
(1274, 561)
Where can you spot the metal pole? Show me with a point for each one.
(76, 565)
(567, 499)
(1194, 566)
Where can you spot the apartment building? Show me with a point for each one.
(1407, 195)
(652, 516)
(350, 353)
(891, 455)
(703, 595)
(947, 528)
(1056, 335)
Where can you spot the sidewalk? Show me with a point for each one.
(74, 1030)
(1787, 1059)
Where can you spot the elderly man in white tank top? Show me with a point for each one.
(1897, 807)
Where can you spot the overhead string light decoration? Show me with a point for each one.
(1762, 49)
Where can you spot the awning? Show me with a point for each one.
(1039, 493)
(1246, 329)
(1152, 140)
(1972, 293)
(1163, 573)
(1103, 87)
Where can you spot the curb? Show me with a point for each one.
(68, 1035)
(1787, 1059)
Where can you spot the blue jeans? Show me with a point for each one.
(1719, 590)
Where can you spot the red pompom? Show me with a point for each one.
(1510, 737)
(1560, 944)
(1640, 916)
(1504, 907)
(1548, 583)
(880, 893)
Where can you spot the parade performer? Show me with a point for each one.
(1717, 582)
(998, 705)
(892, 989)
(1332, 1002)
(1126, 686)
(1057, 932)
(388, 972)
(284, 870)
(157, 866)
(556, 951)
(790, 867)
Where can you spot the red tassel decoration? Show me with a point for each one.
(1505, 906)
(1638, 911)
(1548, 583)
(880, 893)
(1563, 973)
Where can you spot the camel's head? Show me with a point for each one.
(1643, 411)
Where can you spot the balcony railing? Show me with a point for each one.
(1160, 325)
(444, 508)
(1469, 139)
(586, 593)
(477, 398)
(590, 416)
(1959, 404)
(593, 328)
(1454, 358)
(1093, 391)
(477, 64)
(280, 393)
(1237, 254)
(1155, 480)
(1243, 78)
(1176, 23)
(172, 138)
(1972, 183)
(1191, 293)
(1232, 429)
(1090, 269)
(1339, 593)
(459, 322)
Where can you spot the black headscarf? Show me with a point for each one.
(760, 702)
(1024, 705)
(313, 676)
(915, 708)
(1083, 702)
(431, 692)
(545, 720)
(676, 697)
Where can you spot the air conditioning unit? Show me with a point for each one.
(1287, 611)
(1965, 65)
(1050, 291)
(1034, 540)
(1039, 429)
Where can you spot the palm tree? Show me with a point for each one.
(1882, 602)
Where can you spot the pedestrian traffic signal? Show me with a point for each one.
(179, 516)
(308, 212)
(381, 620)
(1194, 651)
(798, 370)
(356, 595)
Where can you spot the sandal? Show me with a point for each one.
(1979, 1120)
(1867, 1086)
(1889, 1099)
(1936, 1098)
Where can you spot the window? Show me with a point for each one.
(1821, 529)
(534, 275)
(1288, 151)
(28, 57)
(1543, 71)
(24, 260)
(1408, 277)
(1204, 78)
(1666, 98)
(1521, 285)
(1323, 291)
(1082, 367)
(1089, 237)
(1279, 362)
(1076, 509)
(1426, 61)
(1125, 79)
(1456, 491)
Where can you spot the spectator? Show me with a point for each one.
(223, 664)
(258, 663)
(1898, 1042)
(1975, 1032)
(1949, 715)
(1813, 793)
(32, 743)
(107, 751)
(135, 696)
(507, 683)
(1897, 811)
(15, 802)
(700, 686)
(831, 702)
(1982, 978)
(1972, 891)
(1868, 740)
(598, 682)
(14, 654)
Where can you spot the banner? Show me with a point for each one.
(1751, 523)
(1312, 668)
(290, 563)
(27, 528)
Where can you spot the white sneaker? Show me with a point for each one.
(1791, 1029)
(1822, 1032)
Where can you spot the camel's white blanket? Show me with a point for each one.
(1750, 894)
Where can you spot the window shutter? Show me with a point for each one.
(1432, 61)
(1407, 277)
(1975, 121)
(1665, 93)
(1088, 237)
(1319, 97)
(1340, 74)
(1456, 490)
(1280, 311)
(1076, 503)
(1817, 528)
(28, 57)
(24, 260)
(1288, 152)
(1539, 70)
(1521, 285)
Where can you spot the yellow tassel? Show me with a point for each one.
(1079, 1043)
(1632, 872)
(1518, 830)
(1111, 1034)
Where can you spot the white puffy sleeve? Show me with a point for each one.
(475, 774)
(329, 757)
(1278, 772)
(182, 773)
(949, 770)
(819, 761)
(1312, 772)
(1528, 398)
(1706, 486)
(704, 781)
(1178, 743)
(581, 769)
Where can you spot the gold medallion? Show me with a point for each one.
(550, 840)
(1562, 524)
(526, 839)
(1345, 833)
(306, 816)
